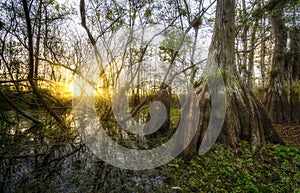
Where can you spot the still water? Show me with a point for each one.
(46, 158)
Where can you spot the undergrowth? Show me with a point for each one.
(274, 168)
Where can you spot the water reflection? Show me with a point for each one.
(45, 158)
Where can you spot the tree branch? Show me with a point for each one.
(18, 109)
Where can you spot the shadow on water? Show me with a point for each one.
(46, 158)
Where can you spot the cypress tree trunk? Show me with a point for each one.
(246, 118)
(294, 61)
(282, 99)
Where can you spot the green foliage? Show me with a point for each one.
(296, 88)
(288, 90)
(175, 114)
(57, 7)
(148, 13)
(271, 169)
(183, 11)
(173, 43)
(260, 91)
(258, 13)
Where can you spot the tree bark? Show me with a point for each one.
(294, 61)
(263, 53)
(38, 40)
(246, 118)
(250, 72)
(31, 65)
(295, 52)
(245, 43)
(280, 97)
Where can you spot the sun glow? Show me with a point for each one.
(81, 88)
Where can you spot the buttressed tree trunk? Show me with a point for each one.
(246, 118)
(282, 101)
(294, 61)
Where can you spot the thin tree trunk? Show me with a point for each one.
(245, 44)
(31, 65)
(38, 40)
(263, 48)
(262, 62)
(250, 72)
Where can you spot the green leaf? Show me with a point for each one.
(57, 7)
(173, 165)
(148, 13)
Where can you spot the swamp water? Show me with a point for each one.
(46, 158)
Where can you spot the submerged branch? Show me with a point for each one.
(18, 109)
